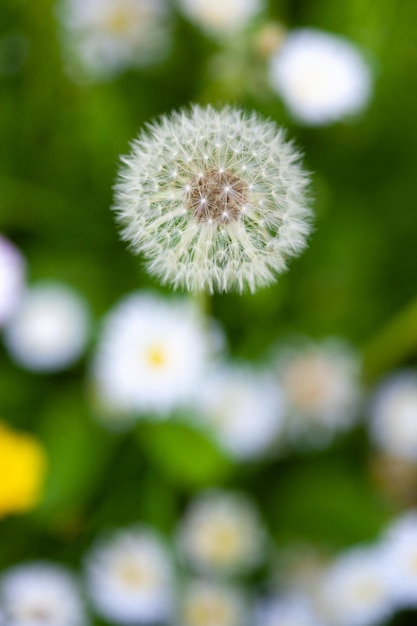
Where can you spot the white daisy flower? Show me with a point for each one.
(129, 578)
(105, 37)
(222, 533)
(393, 426)
(291, 610)
(243, 409)
(151, 355)
(321, 77)
(356, 589)
(12, 279)
(400, 544)
(50, 328)
(221, 18)
(214, 200)
(321, 388)
(40, 594)
(207, 603)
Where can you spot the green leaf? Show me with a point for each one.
(186, 456)
(78, 451)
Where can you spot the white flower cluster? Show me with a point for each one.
(364, 586)
(155, 358)
(131, 577)
(215, 200)
(102, 38)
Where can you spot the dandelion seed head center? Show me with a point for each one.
(216, 196)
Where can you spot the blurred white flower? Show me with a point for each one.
(222, 533)
(12, 278)
(129, 578)
(220, 17)
(400, 544)
(40, 594)
(321, 77)
(356, 589)
(393, 426)
(212, 604)
(291, 610)
(107, 36)
(215, 200)
(49, 330)
(320, 382)
(151, 355)
(243, 410)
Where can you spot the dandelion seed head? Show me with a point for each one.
(231, 209)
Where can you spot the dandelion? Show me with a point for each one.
(221, 18)
(321, 387)
(129, 578)
(291, 610)
(40, 594)
(105, 37)
(321, 77)
(222, 533)
(151, 355)
(12, 279)
(243, 409)
(355, 590)
(215, 200)
(400, 544)
(211, 604)
(49, 330)
(22, 470)
(393, 427)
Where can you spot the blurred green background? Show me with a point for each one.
(59, 148)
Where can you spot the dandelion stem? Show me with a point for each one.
(393, 344)
(203, 300)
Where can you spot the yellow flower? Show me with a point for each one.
(22, 469)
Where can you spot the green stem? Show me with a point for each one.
(203, 300)
(393, 344)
